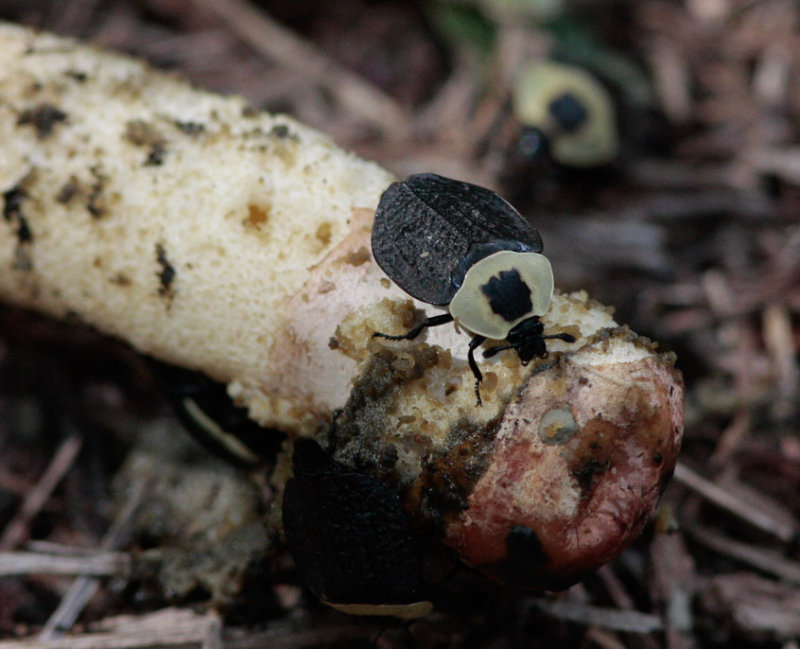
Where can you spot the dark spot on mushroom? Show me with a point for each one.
(525, 550)
(121, 279)
(280, 131)
(43, 118)
(96, 202)
(257, 216)
(68, 191)
(12, 214)
(324, 233)
(449, 475)
(357, 257)
(527, 562)
(658, 458)
(588, 471)
(78, 75)
(166, 276)
(190, 128)
(156, 155)
(140, 133)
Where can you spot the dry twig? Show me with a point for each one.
(84, 587)
(99, 564)
(764, 560)
(18, 529)
(785, 530)
(265, 35)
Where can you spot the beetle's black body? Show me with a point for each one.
(431, 231)
(567, 116)
(208, 413)
(351, 537)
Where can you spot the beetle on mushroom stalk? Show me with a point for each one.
(460, 246)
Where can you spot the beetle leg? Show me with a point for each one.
(488, 353)
(476, 342)
(435, 321)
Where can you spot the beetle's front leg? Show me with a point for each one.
(435, 321)
(476, 342)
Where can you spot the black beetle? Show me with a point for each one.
(566, 115)
(209, 414)
(351, 538)
(457, 245)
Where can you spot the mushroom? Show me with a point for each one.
(237, 243)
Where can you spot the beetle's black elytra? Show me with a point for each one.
(461, 246)
(426, 227)
(209, 414)
(351, 538)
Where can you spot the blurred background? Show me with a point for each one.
(687, 221)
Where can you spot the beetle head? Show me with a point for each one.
(527, 339)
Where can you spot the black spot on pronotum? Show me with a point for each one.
(568, 111)
(43, 118)
(166, 276)
(509, 297)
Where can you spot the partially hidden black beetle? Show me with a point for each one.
(211, 417)
(463, 247)
(351, 538)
